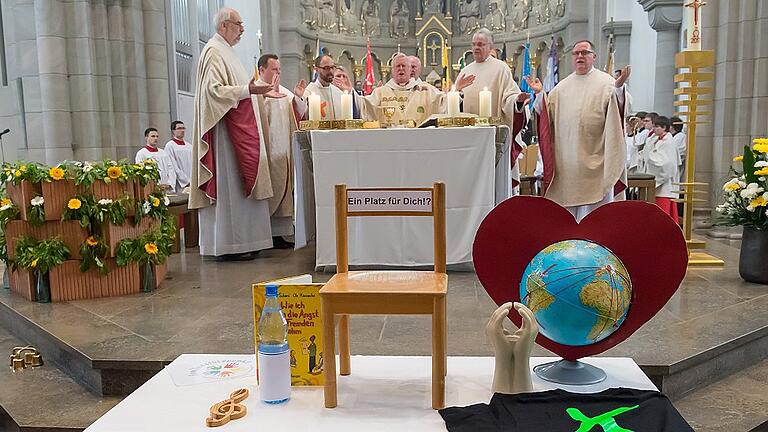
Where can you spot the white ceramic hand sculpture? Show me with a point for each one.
(512, 373)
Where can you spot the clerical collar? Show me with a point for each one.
(150, 148)
(178, 141)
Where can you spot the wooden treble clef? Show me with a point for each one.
(230, 409)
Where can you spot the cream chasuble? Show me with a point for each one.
(330, 97)
(411, 104)
(582, 140)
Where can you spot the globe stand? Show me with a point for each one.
(570, 372)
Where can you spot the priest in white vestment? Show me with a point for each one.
(506, 99)
(180, 153)
(581, 135)
(161, 158)
(279, 120)
(328, 88)
(415, 63)
(230, 174)
(411, 100)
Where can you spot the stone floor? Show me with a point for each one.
(205, 307)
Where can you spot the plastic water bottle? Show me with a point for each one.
(274, 354)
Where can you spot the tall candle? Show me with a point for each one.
(314, 107)
(346, 106)
(485, 103)
(693, 9)
(453, 103)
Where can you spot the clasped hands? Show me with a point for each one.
(512, 372)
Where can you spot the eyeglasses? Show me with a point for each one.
(582, 53)
(237, 23)
(180, 128)
(326, 68)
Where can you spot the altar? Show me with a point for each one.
(474, 163)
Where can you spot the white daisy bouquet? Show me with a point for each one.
(745, 197)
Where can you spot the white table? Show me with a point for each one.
(464, 158)
(382, 394)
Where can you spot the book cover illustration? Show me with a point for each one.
(300, 301)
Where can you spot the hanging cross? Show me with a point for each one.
(696, 5)
(433, 47)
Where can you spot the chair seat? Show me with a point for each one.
(387, 283)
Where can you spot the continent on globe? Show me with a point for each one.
(538, 297)
(611, 305)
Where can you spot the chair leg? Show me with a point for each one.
(344, 357)
(329, 347)
(438, 353)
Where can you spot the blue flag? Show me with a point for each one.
(553, 68)
(526, 73)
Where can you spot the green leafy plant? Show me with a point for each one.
(81, 209)
(156, 206)
(7, 211)
(40, 256)
(21, 170)
(144, 172)
(94, 253)
(152, 247)
(745, 195)
(3, 248)
(36, 211)
(111, 210)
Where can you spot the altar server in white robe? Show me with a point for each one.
(581, 135)
(507, 100)
(661, 159)
(279, 120)
(161, 158)
(180, 153)
(328, 88)
(230, 171)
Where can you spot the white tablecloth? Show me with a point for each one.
(463, 158)
(382, 394)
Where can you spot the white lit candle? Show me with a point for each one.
(314, 107)
(453, 102)
(485, 103)
(346, 106)
(693, 9)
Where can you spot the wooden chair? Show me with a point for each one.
(644, 185)
(385, 293)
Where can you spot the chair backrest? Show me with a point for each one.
(528, 162)
(360, 202)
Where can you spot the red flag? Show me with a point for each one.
(369, 79)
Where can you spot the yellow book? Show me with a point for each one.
(300, 301)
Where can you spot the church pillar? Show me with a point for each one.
(665, 16)
(622, 30)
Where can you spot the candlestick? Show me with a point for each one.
(485, 103)
(346, 106)
(314, 107)
(453, 103)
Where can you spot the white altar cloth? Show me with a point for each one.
(381, 394)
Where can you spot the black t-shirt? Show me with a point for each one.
(612, 410)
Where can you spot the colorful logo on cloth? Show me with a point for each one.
(605, 420)
(225, 370)
(221, 369)
(323, 105)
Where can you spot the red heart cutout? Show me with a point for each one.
(648, 242)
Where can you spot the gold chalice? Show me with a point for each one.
(389, 112)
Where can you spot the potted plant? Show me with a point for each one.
(39, 257)
(745, 203)
(148, 251)
(7, 212)
(22, 182)
(94, 254)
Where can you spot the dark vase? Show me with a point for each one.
(753, 259)
(6, 278)
(148, 282)
(42, 287)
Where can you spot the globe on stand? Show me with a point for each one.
(580, 293)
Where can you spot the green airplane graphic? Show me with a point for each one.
(606, 420)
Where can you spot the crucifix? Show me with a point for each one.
(695, 35)
(433, 47)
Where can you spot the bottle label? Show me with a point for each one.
(274, 376)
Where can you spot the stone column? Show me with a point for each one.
(665, 16)
(622, 30)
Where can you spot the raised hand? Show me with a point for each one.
(274, 92)
(524, 98)
(258, 88)
(535, 84)
(623, 76)
(299, 88)
(464, 81)
(344, 84)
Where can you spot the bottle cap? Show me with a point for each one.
(271, 290)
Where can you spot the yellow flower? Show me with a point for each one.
(56, 173)
(17, 173)
(759, 202)
(760, 141)
(156, 201)
(151, 248)
(738, 158)
(74, 204)
(137, 166)
(761, 147)
(762, 171)
(114, 172)
(732, 186)
(4, 202)
(23, 168)
(33, 263)
(90, 241)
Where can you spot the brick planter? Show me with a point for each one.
(70, 232)
(114, 234)
(68, 283)
(22, 282)
(161, 271)
(142, 192)
(21, 194)
(57, 194)
(114, 190)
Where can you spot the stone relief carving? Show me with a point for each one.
(310, 13)
(432, 7)
(349, 21)
(518, 15)
(370, 18)
(495, 21)
(543, 12)
(326, 18)
(399, 15)
(559, 8)
(469, 16)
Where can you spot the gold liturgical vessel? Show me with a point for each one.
(693, 61)
(23, 357)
